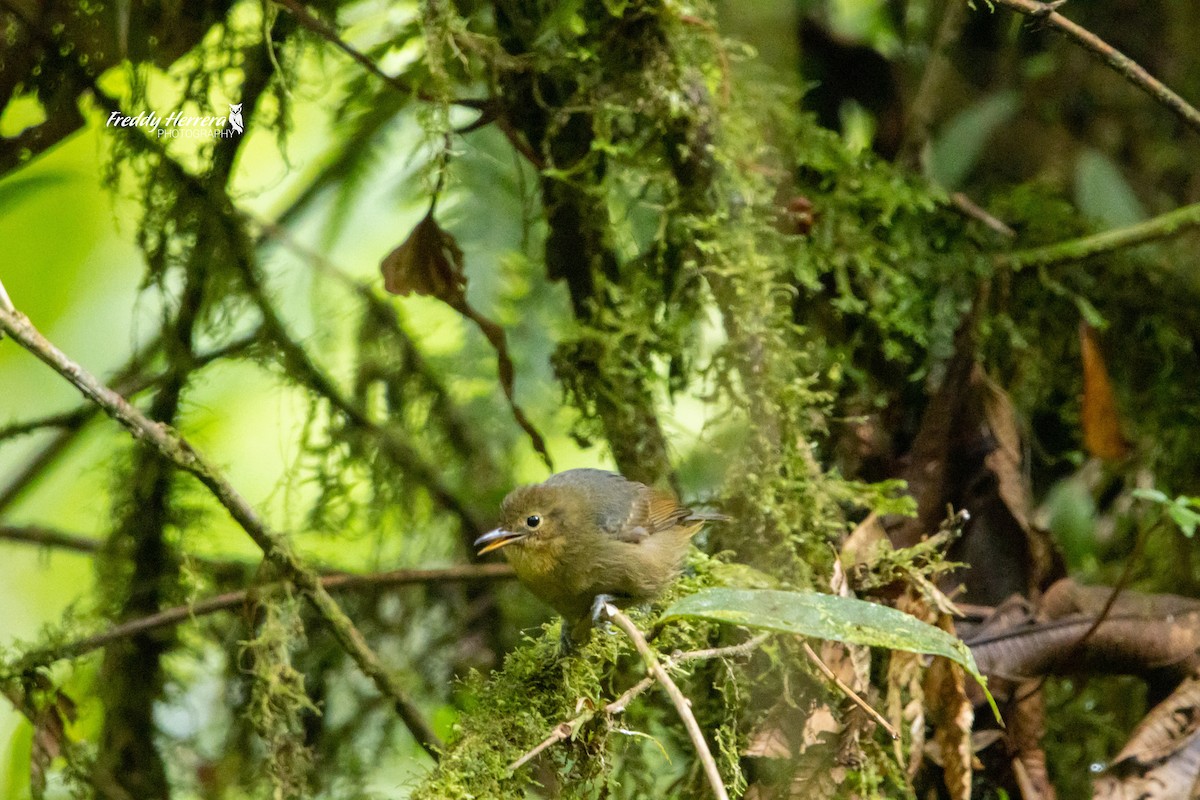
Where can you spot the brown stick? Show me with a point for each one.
(223, 602)
(566, 729)
(1126, 66)
(681, 703)
(853, 695)
(275, 546)
(49, 537)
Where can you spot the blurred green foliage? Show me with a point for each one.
(374, 429)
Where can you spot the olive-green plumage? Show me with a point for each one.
(586, 533)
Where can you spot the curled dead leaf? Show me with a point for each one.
(429, 262)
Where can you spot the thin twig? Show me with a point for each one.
(491, 331)
(1126, 66)
(932, 89)
(275, 546)
(326, 32)
(49, 537)
(1160, 227)
(307, 371)
(969, 208)
(220, 569)
(681, 703)
(319, 27)
(564, 730)
(61, 420)
(853, 695)
(176, 615)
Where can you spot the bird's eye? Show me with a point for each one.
(532, 521)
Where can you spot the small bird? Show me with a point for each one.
(586, 537)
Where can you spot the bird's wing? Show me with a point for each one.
(652, 511)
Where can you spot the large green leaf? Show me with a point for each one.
(956, 149)
(1103, 194)
(826, 616)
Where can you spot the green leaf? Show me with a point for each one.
(827, 616)
(957, 147)
(1184, 511)
(1103, 194)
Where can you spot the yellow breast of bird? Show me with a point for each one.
(569, 574)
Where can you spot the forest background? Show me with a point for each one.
(778, 257)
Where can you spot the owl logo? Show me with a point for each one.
(235, 117)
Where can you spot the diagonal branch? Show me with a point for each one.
(564, 730)
(275, 546)
(318, 26)
(302, 366)
(128, 381)
(1160, 227)
(1126, 66)
(681, 703)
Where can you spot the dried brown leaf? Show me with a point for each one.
(952, 715)
(1161, 761)
(429, 262)
(1026, 720)
(1102, 434)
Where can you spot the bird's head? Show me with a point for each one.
(531, 516)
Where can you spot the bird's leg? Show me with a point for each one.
(572, 635)
(566, 642)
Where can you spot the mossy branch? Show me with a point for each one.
(1160, 227)
(274, 545)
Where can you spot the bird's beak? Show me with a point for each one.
(497, 539)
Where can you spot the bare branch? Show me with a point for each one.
(969, 208)
(562, 731)
(49, 537)
(853, 695)
(222, 602)
(275, 546)
(681, 703)
(219, 569)
(1126, 66)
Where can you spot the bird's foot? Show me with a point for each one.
(571, 636)
(599, 615)
(600, 618)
